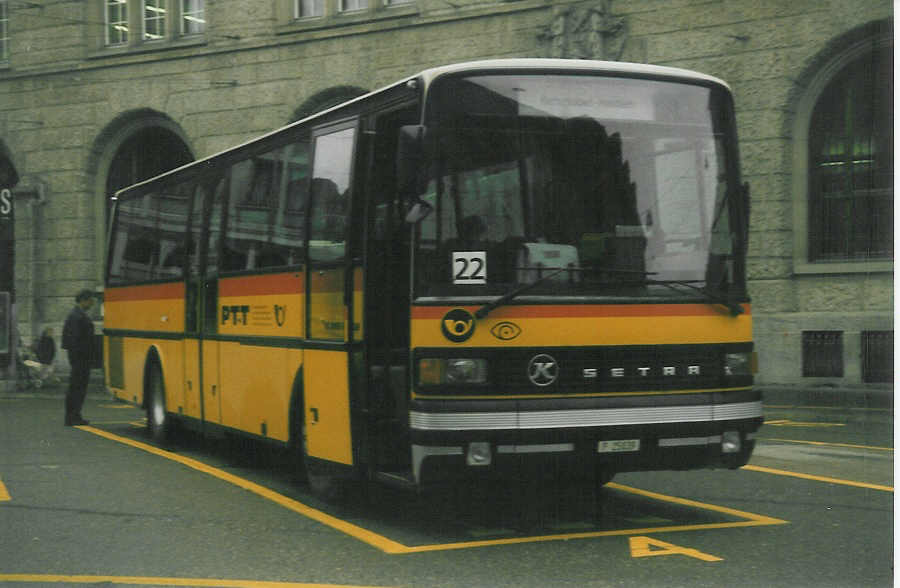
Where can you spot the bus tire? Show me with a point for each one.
(604, 476)
(158, 422)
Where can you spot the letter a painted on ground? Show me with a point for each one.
(642, 547)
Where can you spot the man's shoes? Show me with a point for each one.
(76, 422)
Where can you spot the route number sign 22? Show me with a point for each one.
(470, 267)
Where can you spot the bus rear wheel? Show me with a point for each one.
(158, 422)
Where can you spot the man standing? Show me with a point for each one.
(78, 341)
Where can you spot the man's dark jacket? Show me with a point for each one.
(78, 334)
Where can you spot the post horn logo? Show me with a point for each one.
(280, 314)
(458, 325)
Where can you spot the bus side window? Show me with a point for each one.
(174, 205)
(266, 210)
(136, 250)
(330, 191)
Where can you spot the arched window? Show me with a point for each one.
(148, 152)
(850, 163)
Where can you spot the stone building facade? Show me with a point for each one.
(95, 94)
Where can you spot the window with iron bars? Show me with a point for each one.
(823, 354)
(877, 356)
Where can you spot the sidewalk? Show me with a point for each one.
(851, 397)
(96, 388)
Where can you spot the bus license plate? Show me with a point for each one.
(618, 446)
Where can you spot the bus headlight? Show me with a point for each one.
(739, 364)
(458, 370)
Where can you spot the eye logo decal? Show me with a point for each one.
(458, 325)
(506, 330)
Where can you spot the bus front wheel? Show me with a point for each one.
(324, 484)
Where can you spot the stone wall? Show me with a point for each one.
(64, 99)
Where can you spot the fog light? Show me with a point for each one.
(731, 442)
(739, 364)
(479, 454)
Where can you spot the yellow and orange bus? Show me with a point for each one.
(479, 268)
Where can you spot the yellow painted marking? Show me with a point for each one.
(817, 408)
(754, 468)
(752, 520)
(4, 493)
(826, 444)
(641, 547)
(790, 423)
(144, 580)
(118, 405)
(392, 547)
(382, 543)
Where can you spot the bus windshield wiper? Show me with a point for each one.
(734, 307)
(505, 298)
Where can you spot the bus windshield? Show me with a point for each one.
(580, 186)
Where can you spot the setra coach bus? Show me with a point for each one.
(478, 268)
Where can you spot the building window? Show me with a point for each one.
(823, 354)
(850, 163)
(193, 17)
(878, 356)
(351, 5)
(154, 20)
(116, 22)
(4, 30)
(310, 8)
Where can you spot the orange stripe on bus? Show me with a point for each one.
(170, 290)
(577, 310)
(289, 283)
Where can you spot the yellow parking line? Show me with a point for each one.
(752, 520)
(826, 444)
(393, 547)
(143, 580)
(4, 493)
(764, 470)
(364, 535)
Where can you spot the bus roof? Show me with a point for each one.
(573, 65)
(488, 65)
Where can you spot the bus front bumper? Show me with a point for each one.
(576, 437)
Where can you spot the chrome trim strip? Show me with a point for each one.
(594, 417)
(684, 441)
(548, 448)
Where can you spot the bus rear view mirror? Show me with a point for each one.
(418, 211)
(411, 177)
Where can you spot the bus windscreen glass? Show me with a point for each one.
(581, 185)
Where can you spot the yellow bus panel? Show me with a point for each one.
(536, 326)
(326, 395)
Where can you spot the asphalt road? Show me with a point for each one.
(101, 505)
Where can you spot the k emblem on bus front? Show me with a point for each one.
(542, 370)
